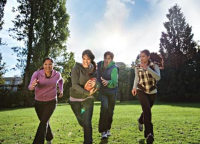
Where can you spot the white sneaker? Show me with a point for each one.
(108, 133)
(140, 126)
(49, 142)
(104, 135)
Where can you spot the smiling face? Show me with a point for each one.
(144, 58)
(48, 66)
(86, 61)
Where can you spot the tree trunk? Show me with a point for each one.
(29, 45)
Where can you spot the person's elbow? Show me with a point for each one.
(30, 88)
(158, 78)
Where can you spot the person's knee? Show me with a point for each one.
(43, 123)
(44, 120)
(87, 124)
(104, 108)
(147, 111)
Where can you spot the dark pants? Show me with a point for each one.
(107, 111)
(44, 111)
(84, 118)
(146, 101)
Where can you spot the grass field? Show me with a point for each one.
(174, 123)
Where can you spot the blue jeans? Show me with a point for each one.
(84, 118)
(107, 110)
(44, 111)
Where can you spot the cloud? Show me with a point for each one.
(108, 33)
(130, 1)
(126, 41)
(111, 31)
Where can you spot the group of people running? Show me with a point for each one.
(45, 81)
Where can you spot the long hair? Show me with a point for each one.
(92, 57)
(155, 58)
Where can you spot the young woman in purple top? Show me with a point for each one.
(44, 82)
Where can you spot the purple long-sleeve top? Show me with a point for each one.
(46, 88)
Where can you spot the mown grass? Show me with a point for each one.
(174, 123)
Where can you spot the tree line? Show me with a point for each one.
(43, 27)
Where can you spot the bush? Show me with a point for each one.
(16, 99)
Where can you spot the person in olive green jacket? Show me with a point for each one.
(107, 75)
(81, 100)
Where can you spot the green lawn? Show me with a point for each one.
(174, 123)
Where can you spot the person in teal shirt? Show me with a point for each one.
(107, 76)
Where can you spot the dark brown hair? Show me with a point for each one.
(43, 61)
(146, 52)
(47, 58)
(109, 53)
(155, 58)
(92, 57)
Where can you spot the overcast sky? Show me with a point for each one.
(124, 27)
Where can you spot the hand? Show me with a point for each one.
(104, 82)
(134, 91)
(92, 91)
(92, 83)
(144, 66)
(34, 83)
(61, 94)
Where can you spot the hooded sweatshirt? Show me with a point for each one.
(79, 77)
(46, 89)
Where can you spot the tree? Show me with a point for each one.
(124, 82)
(2, 64)
(43, 26)
(51, 30)
(178, 50)
(2, 69)
(2, 5)
(66, 65)
(24, 31)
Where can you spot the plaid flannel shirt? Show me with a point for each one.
(146, 82)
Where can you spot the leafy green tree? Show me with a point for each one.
(24, 31)
(2, 5)
(2, 64)
(51, 30)
(178, 50)
(124, 82)
(43, 26)
(2, 69)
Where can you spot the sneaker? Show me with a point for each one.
(104, 135)
(108, 133)
(150, 139)
(49, 142)
(140, 126)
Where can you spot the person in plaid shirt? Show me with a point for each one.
(147, 73)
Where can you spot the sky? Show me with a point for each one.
(124, 27)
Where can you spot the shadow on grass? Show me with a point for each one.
(142, 141)
(32, 107)
(180, 104)
(103, 141)
(118, 103)
(174, 104)
(15, 108)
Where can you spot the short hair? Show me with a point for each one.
(109, 53)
